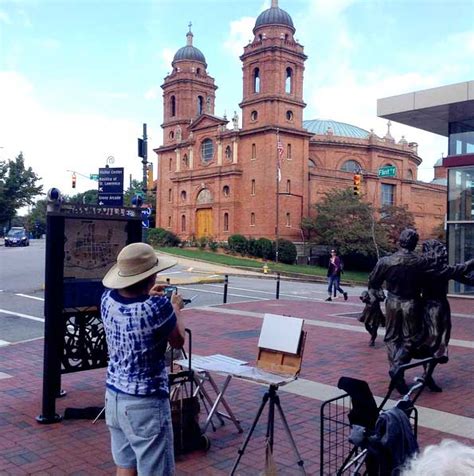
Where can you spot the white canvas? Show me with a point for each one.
(280, 333)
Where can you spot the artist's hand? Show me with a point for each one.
(177, 301)
(158, 290)
(470, 265)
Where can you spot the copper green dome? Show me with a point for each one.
(321, 126)
(274, 16)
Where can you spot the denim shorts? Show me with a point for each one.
(141, 432)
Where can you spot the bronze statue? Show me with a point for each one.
(404, 274)
(372, 316)
(436, 309)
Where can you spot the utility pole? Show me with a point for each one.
(143, 153)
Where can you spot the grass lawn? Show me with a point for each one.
(229, 260)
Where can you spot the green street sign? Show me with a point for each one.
(388, 171)
(94, 176)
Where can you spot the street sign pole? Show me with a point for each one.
(144, 160)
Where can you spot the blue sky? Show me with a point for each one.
(79, 78)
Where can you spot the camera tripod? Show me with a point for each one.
(272, 397)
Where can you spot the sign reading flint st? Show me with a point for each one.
(388, 171)
(111, 186)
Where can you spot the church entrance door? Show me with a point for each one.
(204, 222)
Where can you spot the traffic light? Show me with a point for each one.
(357, 179)
(73, 180)
(149, 176)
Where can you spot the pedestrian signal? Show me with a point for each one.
(357, 179)
(73, 180)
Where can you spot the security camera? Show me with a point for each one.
(54, 199)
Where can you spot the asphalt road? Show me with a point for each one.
(22, 297)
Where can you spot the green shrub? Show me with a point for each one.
(286, 252)
(162, 237)
(252, 248)
(202, 242)
(238, 244)
(213, 245)
(265, 248)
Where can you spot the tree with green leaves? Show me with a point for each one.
(393, 220)
(18, 187)
(345, 222)
(36, 219)
(89, 197)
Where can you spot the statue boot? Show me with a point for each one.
(432, 385)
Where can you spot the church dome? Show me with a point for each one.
(321, 126)
(274, 16)
(189, 52)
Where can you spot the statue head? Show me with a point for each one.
(408, 239)
(435, 249)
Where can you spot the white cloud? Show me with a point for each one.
(54, 142)
(152, 94)
(4, 17)
(240, 32)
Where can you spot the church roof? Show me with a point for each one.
(320, 126)
(189, 52)
(274, 16)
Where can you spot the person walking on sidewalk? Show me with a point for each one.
(139, 322)
(334, 276)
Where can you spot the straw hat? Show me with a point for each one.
(135, 262)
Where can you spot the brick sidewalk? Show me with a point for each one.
(334, 347)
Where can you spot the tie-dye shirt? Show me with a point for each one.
(137, 332)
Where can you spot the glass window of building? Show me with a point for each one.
(252, 219)
(183, 222)
(170, 164)
(289, 81)
(169, 222)
(254, 151)
(207, 150)
(288, 151)
(461, 137)
(183, 196)
(226, 222)
(256, 80)
(388, 194)
(288, 186)
(226, 190)
(170, 195)
(200, 105)
(351, 166)
(288, 219)
(173, 106)
(252, 191)
(460, 194)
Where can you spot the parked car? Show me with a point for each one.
(17, 236)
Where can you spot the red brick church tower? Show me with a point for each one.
(272, 135)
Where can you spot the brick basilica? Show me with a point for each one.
(216, 179)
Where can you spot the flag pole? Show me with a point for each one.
(277, 201)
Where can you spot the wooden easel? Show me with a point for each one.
(279, 359)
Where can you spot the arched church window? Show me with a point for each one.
(173, 106)
(252, 219)
(200, 105)
(289, 81)
(198, 71)
(183, 196)
(226, 190)
(351, 166)
(254, 115)
(288, 219)
(288, 186)
(254, 151)
(311, 163)
(226, 222)
(185, 160)
(410, 174)
(256, 80)
(183, 222)
(228, 152)
(204, 197)
(289, 115)
(207, 150)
